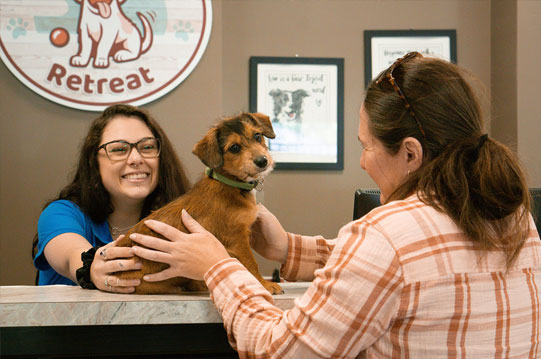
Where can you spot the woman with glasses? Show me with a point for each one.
(449, 265)
(127, 168)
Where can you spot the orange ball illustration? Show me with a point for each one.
(59, 37)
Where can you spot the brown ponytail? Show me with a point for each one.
(476, 180)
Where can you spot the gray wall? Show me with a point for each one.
(39, 140)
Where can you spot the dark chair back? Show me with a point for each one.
(365, 200)
(536, 207)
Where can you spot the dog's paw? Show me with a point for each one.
(272, 287)
(101, 62)
(123, 55)
(17, 27)
(78, 61)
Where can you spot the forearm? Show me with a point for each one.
(255, 327)
(64, 254)
(74, 263)
(305, 255)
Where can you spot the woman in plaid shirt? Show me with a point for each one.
(449, 266)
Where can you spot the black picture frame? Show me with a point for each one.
(304, 97)
(382, 47)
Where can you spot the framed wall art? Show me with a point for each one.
(383, 47)
(304, 98)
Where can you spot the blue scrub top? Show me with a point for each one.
(63, 216)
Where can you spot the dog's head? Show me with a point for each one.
(101, 7)
(236, 146)
(280, 99)
(297, 98)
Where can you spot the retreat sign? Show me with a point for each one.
(90, 54)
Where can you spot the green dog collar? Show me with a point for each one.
(248, 186)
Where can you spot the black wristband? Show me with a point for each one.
(83, 273)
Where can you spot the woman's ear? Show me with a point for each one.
(413, 151)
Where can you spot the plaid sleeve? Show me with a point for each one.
(305, 255)
(349, 305)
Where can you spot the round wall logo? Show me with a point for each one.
(89, 54)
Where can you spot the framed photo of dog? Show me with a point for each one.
(304, 97)
(383, 47)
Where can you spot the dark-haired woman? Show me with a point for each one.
(127, 167)
(448, 267)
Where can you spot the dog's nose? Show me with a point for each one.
(261, 161)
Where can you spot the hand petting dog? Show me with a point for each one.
(269, 238)
(189, 255)
(110, 259)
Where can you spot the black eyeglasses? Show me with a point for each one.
(118, 150)
(389, 75)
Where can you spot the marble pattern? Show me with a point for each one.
(59, 305)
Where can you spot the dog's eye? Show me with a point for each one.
(257, 137)
(234, 148)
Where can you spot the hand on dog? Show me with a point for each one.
(269, 238)
(189, 255)
(109, 259)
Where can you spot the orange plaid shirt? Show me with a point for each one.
(401, 282)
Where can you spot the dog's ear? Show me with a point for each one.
(275, 92)
(208, 150)
(264, 122)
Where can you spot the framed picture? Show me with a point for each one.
(383, 47)
(304, 98)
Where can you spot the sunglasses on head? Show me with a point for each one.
(392, 81)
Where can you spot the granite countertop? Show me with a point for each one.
(62, 305)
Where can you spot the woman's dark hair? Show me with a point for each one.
(86, 189)
(476, 180)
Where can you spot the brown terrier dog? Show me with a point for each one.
(222, 201)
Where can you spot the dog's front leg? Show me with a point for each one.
(104, 48)
(85, 48)
(244, 254)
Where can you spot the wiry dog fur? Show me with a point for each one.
(235, 148)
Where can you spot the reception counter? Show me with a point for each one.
(66, 321)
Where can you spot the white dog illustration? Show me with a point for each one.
(288, 105)
(105, 31)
